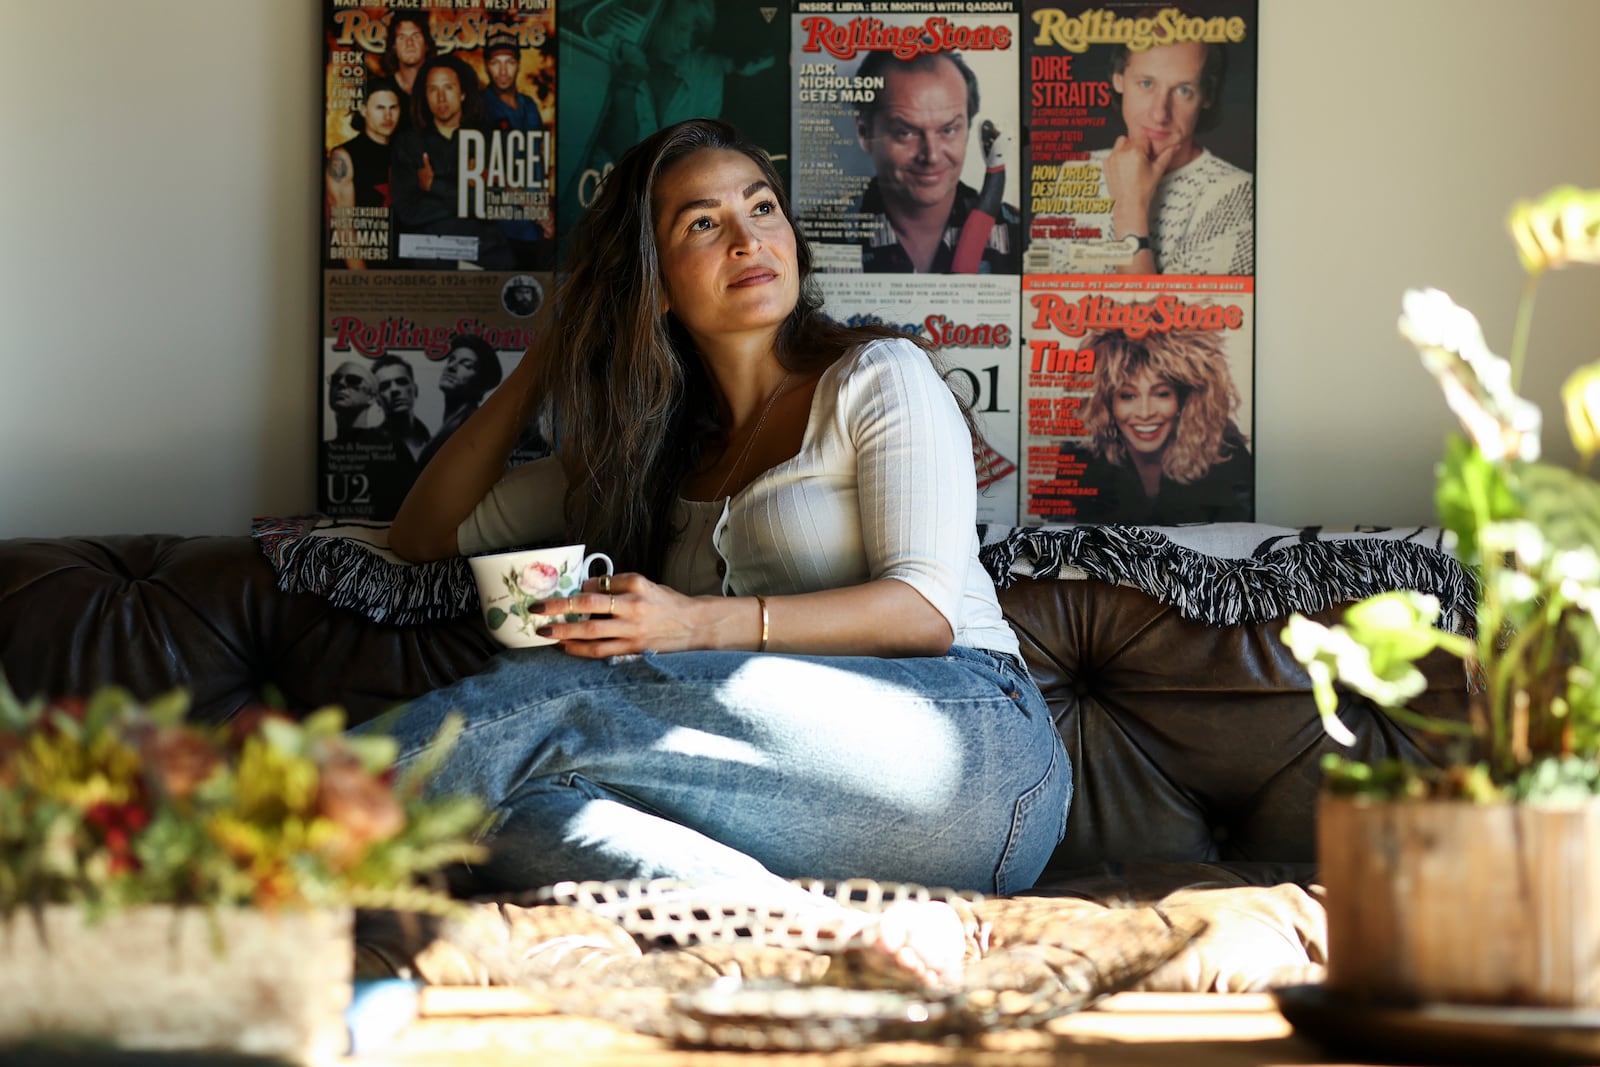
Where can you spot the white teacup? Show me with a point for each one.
(508, 582)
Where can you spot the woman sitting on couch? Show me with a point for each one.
(802, 670)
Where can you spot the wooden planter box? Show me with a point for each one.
(156, 978)
(1442, 901)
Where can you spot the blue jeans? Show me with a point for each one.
(709, 766)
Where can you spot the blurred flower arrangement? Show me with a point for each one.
(109, 802)
(1529, 530)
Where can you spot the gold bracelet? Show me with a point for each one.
(765, 622)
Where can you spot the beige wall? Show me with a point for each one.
(158, 264)
(1395, 135)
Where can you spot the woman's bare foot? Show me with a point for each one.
(917, 944)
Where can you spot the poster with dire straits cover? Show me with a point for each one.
(1141, 151)
(438, 134)
(907, 135)
(1136, 399)
(407, 357)
(975, 327)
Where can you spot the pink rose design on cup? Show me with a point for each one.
(538, 579)
(515, 589)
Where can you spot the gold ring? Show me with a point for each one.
(611, 609)
(605, 583)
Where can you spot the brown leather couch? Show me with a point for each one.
(1196, 749)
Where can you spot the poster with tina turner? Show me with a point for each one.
(1136, 398)
(407, 357)
(438, 134)
(907, 134)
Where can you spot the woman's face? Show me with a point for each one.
(728, 256)
(1145, 409)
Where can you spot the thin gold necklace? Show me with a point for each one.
(762, 421)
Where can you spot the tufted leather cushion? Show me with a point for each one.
(1189, 743)
(154, 612)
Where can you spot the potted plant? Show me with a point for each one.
(167, 884)
(1478, 882)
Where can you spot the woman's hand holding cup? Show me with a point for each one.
(628, 614)
(517, 590)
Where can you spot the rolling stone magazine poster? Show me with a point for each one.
(1059, 196)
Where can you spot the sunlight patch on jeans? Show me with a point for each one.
(895, 739)
(688, 742)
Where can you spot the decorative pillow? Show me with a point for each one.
(1229, 573)
(352, 565)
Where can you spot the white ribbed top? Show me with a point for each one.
(883, 487)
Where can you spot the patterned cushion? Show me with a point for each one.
(1225, 574)
(1217, 573)
(352, 565)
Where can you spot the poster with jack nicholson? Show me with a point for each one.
(438, 135)
(974, 323)
(1141, 143)
(907, 136)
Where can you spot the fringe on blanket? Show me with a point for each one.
(1299, 576)
(355, 574)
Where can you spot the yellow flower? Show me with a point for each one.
(1561, 227)
(1581, 396)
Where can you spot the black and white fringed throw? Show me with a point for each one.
(1217, 573)
(1229, 573)
(352, 565)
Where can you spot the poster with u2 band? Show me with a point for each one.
(407, 357)
(438, 228)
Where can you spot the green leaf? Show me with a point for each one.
(169, 709)
(106, 705)
(1374, 654)
(428, 762)
(1571, 780)
(326, 722)
(376, 752)
(1398, 624)
(16, 715)
(496, 618)
(1470, 493)
(283, 735)
(1316, 647)
(1564, 505)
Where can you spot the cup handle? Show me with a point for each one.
(589, 561)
